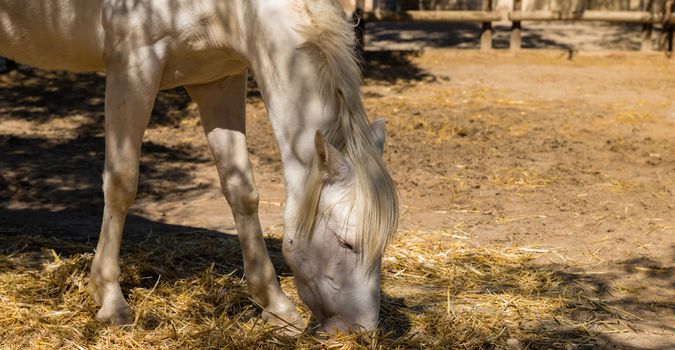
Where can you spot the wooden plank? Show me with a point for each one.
(534, 16)
(588, 15)
(452, 16)
(618, 16)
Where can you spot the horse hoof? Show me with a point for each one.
(288, 320)
(119, 315)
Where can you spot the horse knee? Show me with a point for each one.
(243, 198)
(119, 188)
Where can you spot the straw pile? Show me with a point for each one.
(187, 292)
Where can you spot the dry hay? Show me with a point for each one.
(187, 291)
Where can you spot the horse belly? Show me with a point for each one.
(200, 68)
(57, 34)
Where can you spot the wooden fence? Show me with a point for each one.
(486, 16)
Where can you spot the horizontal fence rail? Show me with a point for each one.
(589, 15)
(451, 16)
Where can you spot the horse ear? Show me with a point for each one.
(378, 129)
(330, 159)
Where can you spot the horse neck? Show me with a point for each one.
(289, 82)
(295, 115)
(297, 110)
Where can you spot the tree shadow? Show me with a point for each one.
(566, 36)
(535, 35)
(46, 172)
(423, 34)
(173, 251)
(41, 96)
(393, 66)
(394, 324)
(392, 46)
(593, 302)
(650, 267)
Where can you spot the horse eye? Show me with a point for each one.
(346, 244)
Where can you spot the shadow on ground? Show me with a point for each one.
(55, 173)
(535, 35)
(393, 67)
(597, 299)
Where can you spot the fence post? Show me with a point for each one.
(516, 43)
(666, 39)
(669, 26)
(486, 31)
(646, 44)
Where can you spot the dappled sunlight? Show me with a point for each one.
(536, 210)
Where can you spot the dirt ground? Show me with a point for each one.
(571, 160)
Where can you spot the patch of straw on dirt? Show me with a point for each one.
(523, 179)
(187, 292)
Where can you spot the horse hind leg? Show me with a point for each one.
(222, 109)
(130, 93)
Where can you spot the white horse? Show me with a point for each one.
(341, 204)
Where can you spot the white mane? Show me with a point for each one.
(330, 40)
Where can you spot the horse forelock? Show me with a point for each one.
(329, 39)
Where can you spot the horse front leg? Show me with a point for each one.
(222, 109)
(131, 87)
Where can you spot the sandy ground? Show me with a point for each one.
(570, 159)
